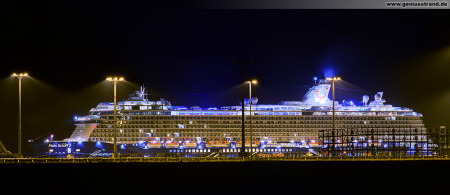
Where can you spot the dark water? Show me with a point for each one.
(410, 177)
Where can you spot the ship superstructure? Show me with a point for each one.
(287, 124)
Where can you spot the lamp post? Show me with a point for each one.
(243, 63)
(250, 103)
(333, 130)
(20, 76)
(115, 80)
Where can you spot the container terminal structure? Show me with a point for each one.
(149, 127)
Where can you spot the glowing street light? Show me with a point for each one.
(115, 80)
(332, 81)
(20, 76)
(254, 82)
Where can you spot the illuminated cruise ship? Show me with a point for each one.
(289, 124)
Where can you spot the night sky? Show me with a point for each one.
(186, 55)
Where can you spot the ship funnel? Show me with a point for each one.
(318, 95)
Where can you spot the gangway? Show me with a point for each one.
(313, 152)
(2, 148)
(211, 154)
(3, 151)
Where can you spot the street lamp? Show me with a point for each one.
(243, 63)
(20, 76)
(250, 103)
(332, 81)
(115, 80)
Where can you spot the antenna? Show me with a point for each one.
(315, 80)
(142, 88)
(141, 93)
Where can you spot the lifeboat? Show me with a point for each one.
(314, 144)
(154, 144)
(172, 145)
(189, 145)
(217, 144)
(288, 145)
(247, 144)
(375, 144)
(271, 145)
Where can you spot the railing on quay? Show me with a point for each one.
(205, 159)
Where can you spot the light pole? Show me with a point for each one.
(115, 80)
(333, 131)
(243, 63)
(250, 103)
(20, 76)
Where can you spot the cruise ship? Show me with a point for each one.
(290, 126)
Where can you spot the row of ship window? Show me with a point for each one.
(199, 130)
(135, 139)
(204, 113)
(228, 118)
(196, 134)
(255, 126)
(193, 123)
(147, 133)
(278, 137)
(273, 138)
(338, 129)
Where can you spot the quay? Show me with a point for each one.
(207, 159)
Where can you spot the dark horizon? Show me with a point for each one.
(186, 56)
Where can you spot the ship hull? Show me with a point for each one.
(100, 149)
